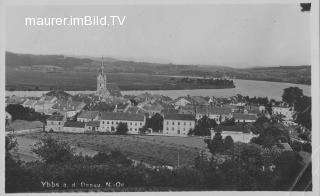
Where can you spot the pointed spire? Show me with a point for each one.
(102, 64)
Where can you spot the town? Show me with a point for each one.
(215, 125)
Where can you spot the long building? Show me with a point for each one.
(178, 124)
(110, 120)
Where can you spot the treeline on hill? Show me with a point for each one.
(14, 60)
(222, 83)
(291, 74)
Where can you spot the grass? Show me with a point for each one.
(155, 150)
(23, 125)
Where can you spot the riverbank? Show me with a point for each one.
(250, 88)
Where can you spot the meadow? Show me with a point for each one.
(154, 150)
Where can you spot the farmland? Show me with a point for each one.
(155, 150)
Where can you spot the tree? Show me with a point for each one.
(288, 167)
(52, 151)
(290, 95)
(270, 136)
(228, 143)
(122, 128)
(303, 109)
(155, 122)
(203, 127)
(216, 145)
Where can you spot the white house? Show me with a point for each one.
(178, 124)
(238, 133)
(29, 103)
(55, 124)
(219, 114)
(92, 126)
(288, 112)
(181, 101)
(110, 120)
(86, 116)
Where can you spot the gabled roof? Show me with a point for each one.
(214, 110)
(233, 128)
(55, 118)
(240, 116)
(121, 116)
(74, 124)
(179, 117)
(30, 102)
(88, 114)
(68, 105)
(93, 123)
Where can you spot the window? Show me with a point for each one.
(178, 131)
(111, 122)
(184, 123)
(102, 122)
(178, 123)
(107, 122)
(172, 128)
(131, 123)
(167, 128)
(167, 122)
(141, 124)
(135, 124)
(173, 123)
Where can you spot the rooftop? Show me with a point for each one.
(93, 123)
(55, 118)
(179, 117)
(121, 116)
(88, 114)
(240, 116)
(74, 124)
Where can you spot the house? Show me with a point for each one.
(237, 132)
(284, 146)
(178, 124)
(182, 101)
(55, 124)
(110, 120)
(74, 127)
(92, 126)
(44, 107)
(150, 108)
(219, 114)
(29, 103)
(68, 108)
(246, 118)
(287, 112)
(198, 100)
(86, 116)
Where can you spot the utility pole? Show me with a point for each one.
(178, 159)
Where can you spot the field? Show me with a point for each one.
(155, 150)
(18, 125)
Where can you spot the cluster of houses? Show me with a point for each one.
(179, 115)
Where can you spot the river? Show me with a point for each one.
(244, 87)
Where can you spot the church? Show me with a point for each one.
(106, 91)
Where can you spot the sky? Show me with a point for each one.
(227, 35)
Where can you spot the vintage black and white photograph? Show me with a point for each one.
(159, 97)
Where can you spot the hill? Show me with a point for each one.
(23, 72)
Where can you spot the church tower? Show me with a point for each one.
(102, 90)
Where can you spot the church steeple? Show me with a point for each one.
(102, 67)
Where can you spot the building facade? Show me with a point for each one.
(178, 124)
(109, 121)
